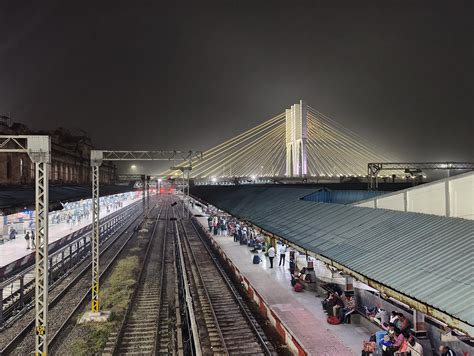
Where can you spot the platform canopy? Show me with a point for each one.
(426, 261)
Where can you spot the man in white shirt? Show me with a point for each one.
(414, 347)
(271, 255)
(282, 254)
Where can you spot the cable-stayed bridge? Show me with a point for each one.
(300, 142)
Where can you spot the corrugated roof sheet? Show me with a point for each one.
(429, 258)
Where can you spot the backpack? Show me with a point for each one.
(256, 259)
(298, 287)
(333, 320)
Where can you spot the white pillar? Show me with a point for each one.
(296, 138)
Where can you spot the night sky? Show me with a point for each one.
(177, 75)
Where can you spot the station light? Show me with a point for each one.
(214, 179)
(253, 177)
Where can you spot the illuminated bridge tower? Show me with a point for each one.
(296, 137)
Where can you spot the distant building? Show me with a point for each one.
(70, 158)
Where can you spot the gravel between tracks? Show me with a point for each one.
(59, 312)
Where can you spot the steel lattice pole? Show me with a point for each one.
(41, 257)
(144, 197)
(95, 307)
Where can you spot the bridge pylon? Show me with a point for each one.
(296, 140)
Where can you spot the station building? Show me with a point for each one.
(70, 158)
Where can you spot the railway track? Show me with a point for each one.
(19, 338)
(148, 326)
(20, 301)
(156, 321)
(225, 325)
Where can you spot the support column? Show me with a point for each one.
(22, 291)
(447, 197)
(349, 285)
(1, 307)
(41, 160)
(96, 162)
(144, 196)
(95, 307)
(147, 193)
(419, 326)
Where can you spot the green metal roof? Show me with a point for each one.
(426, 257)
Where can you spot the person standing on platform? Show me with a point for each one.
(32, 239)
(209, 222)
(12, 234)
(271, 255)
(27, 239)
(282, 254)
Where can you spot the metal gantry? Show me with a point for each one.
(38, 149)
(373, 169)
(185, 170)
(97, 157)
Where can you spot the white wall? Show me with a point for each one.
(452, 197)
(394, 202)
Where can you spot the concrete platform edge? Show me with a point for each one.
(284, 331)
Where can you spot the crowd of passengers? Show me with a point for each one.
(395, 338)
(72, 214)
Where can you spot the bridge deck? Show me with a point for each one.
(302, 313)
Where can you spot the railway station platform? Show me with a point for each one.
(300, 313)
(15, 250)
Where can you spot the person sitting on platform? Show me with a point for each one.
(381, 317)
(389, 330)
(350, 307)
(393, 317)
(398, 339)
(446, 351)
(387, 346)
(328, 303)
(338, 304)
(403, 348)
(403, 323)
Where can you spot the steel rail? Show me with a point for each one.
(12, 344)
(237, 297)
(152, 239)
(188, 298)
(81, 303)
(53, 284)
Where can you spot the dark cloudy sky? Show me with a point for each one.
(187, 75)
